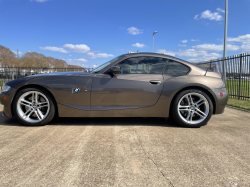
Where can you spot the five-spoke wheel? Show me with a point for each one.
(34, 106)
(192, 108)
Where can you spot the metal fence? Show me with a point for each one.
(11, 73)
(237, 74)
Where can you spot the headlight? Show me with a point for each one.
(5, 88)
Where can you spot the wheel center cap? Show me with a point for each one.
(192, 108)
(34, 106)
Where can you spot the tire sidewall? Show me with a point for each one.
(175, 113)
(47, 119)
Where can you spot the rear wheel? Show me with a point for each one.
(192, 108)
(33, 106)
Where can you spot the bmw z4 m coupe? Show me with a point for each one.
(131, 85)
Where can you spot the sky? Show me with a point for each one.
(91, 32)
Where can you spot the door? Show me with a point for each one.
(138, 84)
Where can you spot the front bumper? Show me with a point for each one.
(6, 104)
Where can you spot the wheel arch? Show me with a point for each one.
(38, 87)
(198, 88)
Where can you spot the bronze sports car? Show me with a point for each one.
(131, 85)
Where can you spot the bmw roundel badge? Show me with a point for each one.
(76, 90)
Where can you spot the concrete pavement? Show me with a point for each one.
(126, 152)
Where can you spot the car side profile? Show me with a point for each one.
(131, 85)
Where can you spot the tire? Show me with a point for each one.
(188, 113)
(31, 111)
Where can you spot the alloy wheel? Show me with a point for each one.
(193, 108)
(33, 106)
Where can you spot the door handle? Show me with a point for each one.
(155, 82)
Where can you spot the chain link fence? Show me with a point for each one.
(237, 74)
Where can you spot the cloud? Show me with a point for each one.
(205, 57)
(233, 47)
(245, 47)
(197, 56)
(138, 45)
(220, 10)
(184, 41)
(79, 61)
(214, 47)
(196, 17)
(211, 16)
(217, 48)
(245, 39)
(194, 40)
(189, 53)
(78, 48)
(57, 49)
(171, 53)
(40, 1)
(201, 55)
(182, 45)
(134, 31)
(98, 55)
(19, 52)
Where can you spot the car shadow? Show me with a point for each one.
(7, 121)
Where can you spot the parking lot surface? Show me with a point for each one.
(126, 152)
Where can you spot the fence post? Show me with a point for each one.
(239, 94)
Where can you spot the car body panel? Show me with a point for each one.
(121, 95)
(123, 91)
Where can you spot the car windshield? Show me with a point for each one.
(99, 68)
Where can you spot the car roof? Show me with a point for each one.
(157, 55)
(192, 65)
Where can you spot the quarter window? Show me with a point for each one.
(176, 69)
(142, 65)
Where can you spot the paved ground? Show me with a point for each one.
(126, 152)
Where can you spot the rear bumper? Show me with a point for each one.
(220, 101)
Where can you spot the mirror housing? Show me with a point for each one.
(115, 69)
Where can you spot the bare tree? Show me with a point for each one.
(35, 60)
(76, 68)
(31, 60)
(7, 57)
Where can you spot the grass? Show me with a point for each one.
(3, 81)
(233, 87)
(239, 103)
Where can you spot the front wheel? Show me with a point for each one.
(192, 108)
(33, 106)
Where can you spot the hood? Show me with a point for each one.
(69, 73)
(24, 80)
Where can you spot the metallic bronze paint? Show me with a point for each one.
(121, 95)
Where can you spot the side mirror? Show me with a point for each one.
(115, 69)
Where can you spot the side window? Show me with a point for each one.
(142, 65)
(176, 69)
